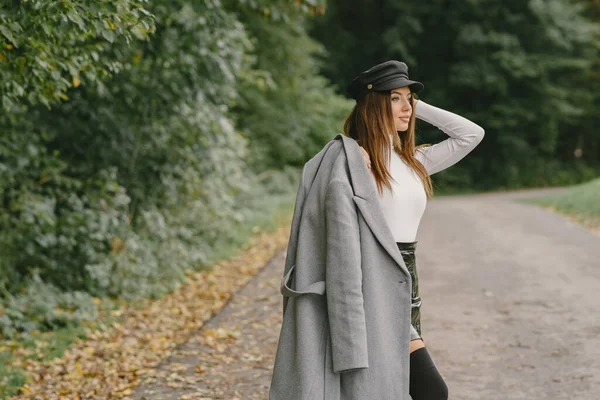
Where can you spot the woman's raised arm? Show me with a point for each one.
(464, 134)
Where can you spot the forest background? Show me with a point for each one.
(141, 139)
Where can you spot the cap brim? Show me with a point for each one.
(401, 82)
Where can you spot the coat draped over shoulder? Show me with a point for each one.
(347, 291)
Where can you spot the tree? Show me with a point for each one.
(519, 69)
(48, 47)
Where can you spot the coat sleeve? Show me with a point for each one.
(343, 280)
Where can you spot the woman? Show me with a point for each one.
(351, 326)
(382, 93)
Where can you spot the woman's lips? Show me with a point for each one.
(405, 119)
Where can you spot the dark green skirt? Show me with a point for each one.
(407, 249)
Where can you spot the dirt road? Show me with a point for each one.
(511, 310)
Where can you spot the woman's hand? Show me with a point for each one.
(366, 156)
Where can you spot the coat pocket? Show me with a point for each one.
(286, 286)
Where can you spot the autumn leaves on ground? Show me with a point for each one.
(110, 362)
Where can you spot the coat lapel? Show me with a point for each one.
(365, 197)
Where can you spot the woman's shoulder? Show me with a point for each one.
(329, 163)
(330, 149)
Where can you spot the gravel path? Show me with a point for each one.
(232, 356)
(511, 296)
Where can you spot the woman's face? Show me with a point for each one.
(401, 107)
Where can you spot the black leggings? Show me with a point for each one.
(426, 383)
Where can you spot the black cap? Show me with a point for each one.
(385, 76)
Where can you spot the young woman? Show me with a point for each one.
(383, 123)
(351, 328)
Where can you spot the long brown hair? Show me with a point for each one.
(369, 123)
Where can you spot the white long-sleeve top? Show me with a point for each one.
(405, 205)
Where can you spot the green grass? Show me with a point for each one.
(281, 208)
(43, 346)
(37, 347)
(11, 378)
(580, 202)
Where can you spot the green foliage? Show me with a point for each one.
(50, 46)
(286, 109)
(52, 223)
(522, 70)
(43, 306)
(147, 171)
(277, 10)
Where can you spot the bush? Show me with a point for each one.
(140, 171)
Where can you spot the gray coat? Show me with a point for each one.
(347, 291)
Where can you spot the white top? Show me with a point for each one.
(404, 207)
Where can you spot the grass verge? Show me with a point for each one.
(580, 203)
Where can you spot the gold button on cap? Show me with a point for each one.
(369, 86)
